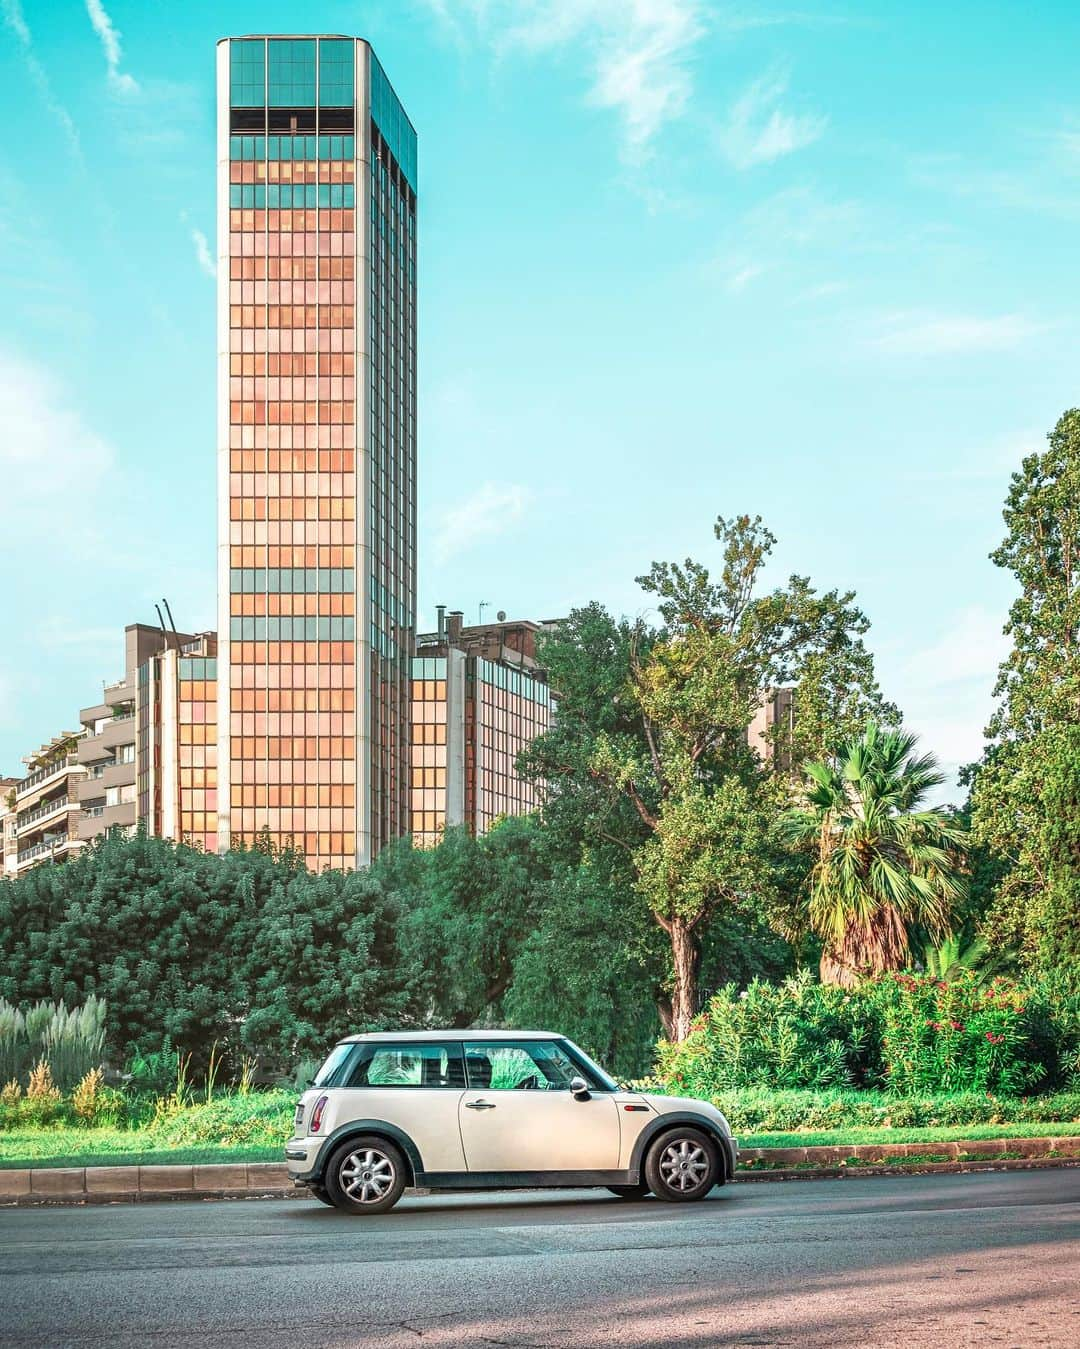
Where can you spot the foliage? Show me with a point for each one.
(650, 755)
(42, 1102)
(1026, 791)
(958, 953)
(882, 866)
(952, 1035)
(755, 1110)
(71, 1041)
(906, 1033)
(800, 1034)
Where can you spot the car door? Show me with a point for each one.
(416, 1087)
(518, 1114)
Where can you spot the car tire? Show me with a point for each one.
(365, 1175)
(683, 1165)
(317, 1192)
(629, 1191)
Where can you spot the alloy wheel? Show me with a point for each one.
(367, 1175)
(684, 1164)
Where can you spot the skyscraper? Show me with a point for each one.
(316, 446)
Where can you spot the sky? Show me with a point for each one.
(678, 259)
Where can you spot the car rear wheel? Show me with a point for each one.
(365, 1175)
(682, 1166)
(629, 1191)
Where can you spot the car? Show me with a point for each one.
(484, 1109)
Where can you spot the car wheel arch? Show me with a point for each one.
(662, 1124)
(379, 1129)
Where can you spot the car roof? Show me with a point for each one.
(441, 1035)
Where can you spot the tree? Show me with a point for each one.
(882, 866)
(650, 756)
(1026, 791)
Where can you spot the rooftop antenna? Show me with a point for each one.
(484, 604)
(161, 621)
(171, 623)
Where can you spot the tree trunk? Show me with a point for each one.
(686, 962)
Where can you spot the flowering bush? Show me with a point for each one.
(904, 1033)
(955, 1035)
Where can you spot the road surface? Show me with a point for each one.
(990, 1258)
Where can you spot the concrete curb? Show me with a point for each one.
(270, 1180)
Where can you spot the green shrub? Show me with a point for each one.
(796, 1034)
(906, 1033)
(754, 1110)
(955, 1035)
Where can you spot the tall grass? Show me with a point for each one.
(71, 1041)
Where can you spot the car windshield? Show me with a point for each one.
(326, 1074)
(605, 1079)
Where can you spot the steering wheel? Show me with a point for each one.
(527, 1084)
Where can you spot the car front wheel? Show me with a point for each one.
(682, 1165)
(365, 1175)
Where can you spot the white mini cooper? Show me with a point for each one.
(472, 1110)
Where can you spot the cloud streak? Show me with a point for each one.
(639, 51)
(490, 512)
(758, 130)
(909, 334)
(119, 82)
(15, 20)
(202, 252)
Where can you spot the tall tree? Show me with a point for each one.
(883, 867)
(650, 753)
(1027, 787)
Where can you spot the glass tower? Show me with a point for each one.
(316, 447)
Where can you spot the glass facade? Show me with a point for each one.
(429, 761)
(197, 750)
(321, 450)
(466, 740)
(505, 710)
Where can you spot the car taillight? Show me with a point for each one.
(317, 1114)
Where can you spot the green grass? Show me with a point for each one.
(131, 1147)
(959, 1133)
(119, 1147)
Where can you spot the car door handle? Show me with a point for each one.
(479, 1105)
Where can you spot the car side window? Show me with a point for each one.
(524, 1065)
(424, 1065)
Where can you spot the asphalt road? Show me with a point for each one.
(990, 1258)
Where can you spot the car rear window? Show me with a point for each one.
(424, 1065)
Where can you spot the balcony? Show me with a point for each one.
(42, 812)
(48, 847)
(116, 731)
(97, 820)
(41, 775)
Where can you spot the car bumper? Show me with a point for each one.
(301, 1155)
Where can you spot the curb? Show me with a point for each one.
(270, 1180)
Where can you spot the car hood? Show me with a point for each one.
(667, 1105)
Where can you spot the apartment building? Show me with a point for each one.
(7, 825)
(479, 697)
(46, 803)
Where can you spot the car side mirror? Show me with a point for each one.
(579, 1089)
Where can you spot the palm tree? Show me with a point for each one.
(882, 866)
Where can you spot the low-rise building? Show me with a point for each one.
(479, 697)
(47, 805)
(177, 741)
(770, 732)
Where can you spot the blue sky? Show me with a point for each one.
(677, 259)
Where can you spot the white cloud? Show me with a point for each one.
(758, 130)
(46, 451)
(639, 51)
(202, 252)
(488, 513)
(120, 82)
(913, 334)
(946, 688)
(742, 274)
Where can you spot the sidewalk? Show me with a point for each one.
(265, 1180)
